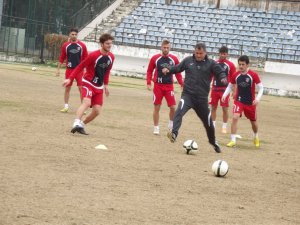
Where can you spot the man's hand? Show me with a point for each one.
(57, 73)
(66, 82)
(255, 102)
(223, 98)
(165, 71)
(224, 81)
(106, 90)
(149, 87)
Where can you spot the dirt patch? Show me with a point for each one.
(49, 176)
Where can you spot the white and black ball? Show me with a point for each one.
(190, 146)
(220, 168)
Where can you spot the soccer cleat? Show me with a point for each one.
(217, 148)
(79, 130)
(171, 136)
(231, 144)
(256, 142)
(224, 130)
(156, 131)
(64, 110)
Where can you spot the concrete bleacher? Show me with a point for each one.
(274, 35)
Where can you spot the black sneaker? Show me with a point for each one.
(78, 129)
(171, 136)
(217, 148)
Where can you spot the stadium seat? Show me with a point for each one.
(237, 26)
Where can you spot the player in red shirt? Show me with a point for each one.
(218, 89)
(73, 52)
(95, 80)
(163, 84)
(245, 100)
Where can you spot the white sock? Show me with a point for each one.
(82, 123)
(170, 125)
(156, 127)
(224, 125)
(66, 106)
(255, 135)
(233, 137)
(214, 123)
(77, 122)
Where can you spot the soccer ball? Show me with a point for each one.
(190, 146)
(220, 168)
(33, 68)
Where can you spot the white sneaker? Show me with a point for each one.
(156, 130)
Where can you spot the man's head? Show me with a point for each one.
(223, 53)
(73, 34)
(243, 63)
(106, 41)
(200, 51)
(165, 47)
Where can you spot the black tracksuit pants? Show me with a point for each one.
(200, 106)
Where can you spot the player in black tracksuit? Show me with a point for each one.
(198, 70)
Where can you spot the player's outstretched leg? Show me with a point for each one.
(184, 105)
(203, 113)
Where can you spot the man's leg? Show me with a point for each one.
(93, 114)
(171, 117)
(80, 95)
(184, 105)
(225, 119)
(214, 114)
(234, 123)
(255, 133)
(66, 99)
(78, 125)
(204, 114)
(156, 118)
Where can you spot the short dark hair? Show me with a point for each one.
(73, 29)
(244, 58)
(200, 46)
(223, 49)
(105, 37)
(165, 42)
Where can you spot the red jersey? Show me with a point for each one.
(73, 53)
(157, 63)
(245, 84)
(98, 68)
(229, 69)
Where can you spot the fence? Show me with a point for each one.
(26, 36)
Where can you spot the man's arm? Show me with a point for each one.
(227, 91)
(259, 94)
(106, 78)
(219, 73)
(151, 67)
(177, 68)
(78, 70)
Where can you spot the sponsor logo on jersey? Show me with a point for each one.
(165, 65)
(244, 84)
(74, 51)
(103, 65)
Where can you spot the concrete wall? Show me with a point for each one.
(270, 67)
(283, 68)
(92, 25)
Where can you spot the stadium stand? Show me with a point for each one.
(274, 35)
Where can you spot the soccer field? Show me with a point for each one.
(50, 176)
